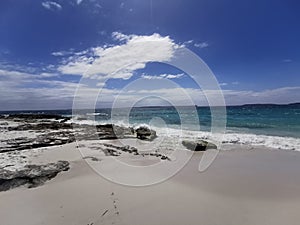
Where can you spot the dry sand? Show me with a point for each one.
(243, 186)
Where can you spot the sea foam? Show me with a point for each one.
(175, 133)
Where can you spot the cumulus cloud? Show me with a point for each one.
(50, 5)
(120, 37)
(28, 90)
(119, 61)
(77, 66)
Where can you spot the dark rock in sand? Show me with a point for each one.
(144, 133)
(95, 159)
(54, 125)
(114, 131)
(114, 150)
(122, 132)
(198, 145)
(103, 132)
(31, 175)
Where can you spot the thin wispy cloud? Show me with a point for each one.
(201, 45)
(287, 60)
(78, 2)
(61, 53)
(188, 42)
(50, 5)
(196, 44)
(162, 76)
(23, 75)
(223, 84)
(230, 83)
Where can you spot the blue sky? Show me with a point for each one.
(252, 47)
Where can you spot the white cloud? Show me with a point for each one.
(78, 66)
(197, 45)
(176, 95)
(58, 53)
(23, 75)
(50, 5)
(188, 42)
(71, 53)
(45, 75)
(163, 76)
(232, 97)
(61, 53)
(26, 90)
(79, 2)
(201, 45)
(282, 95)
(174, 76)
(121, 60)
(20, 90)
(120, 37)
(226, 84)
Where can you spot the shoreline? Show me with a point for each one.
(245, 184)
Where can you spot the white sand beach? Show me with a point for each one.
(244, 186)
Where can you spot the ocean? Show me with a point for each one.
(276, 126)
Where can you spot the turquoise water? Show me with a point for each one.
(277, 120)
(274, 120)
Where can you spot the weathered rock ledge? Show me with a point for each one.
(53, 130)
(20, 132)
(31, 175)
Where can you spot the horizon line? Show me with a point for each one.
(155, 106)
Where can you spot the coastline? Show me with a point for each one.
(246, 184)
